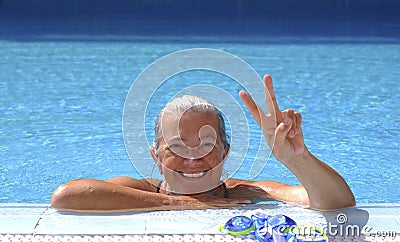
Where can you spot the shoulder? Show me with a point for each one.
(255, 190)
(145, 184)
(245, 189)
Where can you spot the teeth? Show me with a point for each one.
(193, 175)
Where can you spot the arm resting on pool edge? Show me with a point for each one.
(87, 195)
(322, 188)
(96, 195)
(266, 190)
(326, 189)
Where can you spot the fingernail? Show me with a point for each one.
(291, 133)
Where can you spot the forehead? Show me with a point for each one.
(189, 123)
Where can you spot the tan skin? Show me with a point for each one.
(192, 180)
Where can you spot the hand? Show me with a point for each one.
(282, 130)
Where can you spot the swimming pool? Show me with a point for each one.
(62, 104)
(62, 100)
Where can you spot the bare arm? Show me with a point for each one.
(267, 190)
(87, 195)
(324, 192)
(322, 187)
(96, 195)
(326, 189)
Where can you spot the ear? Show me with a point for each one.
(156, 158)
(226, 152)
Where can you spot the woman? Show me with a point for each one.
(190, 148)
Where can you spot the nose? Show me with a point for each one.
(192, 162)
(193, 153)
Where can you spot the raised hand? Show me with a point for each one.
(282, 130)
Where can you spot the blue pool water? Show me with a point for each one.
(62, 98)
(62, 102)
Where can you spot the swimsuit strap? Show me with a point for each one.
(159, 186)
(226, 194)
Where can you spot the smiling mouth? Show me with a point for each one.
(193, 175)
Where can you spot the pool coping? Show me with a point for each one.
(42, 220)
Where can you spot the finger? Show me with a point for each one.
(270, 99)
(255, 110)
(282, 131)
(298, 122)
(292, 116)
(266, 123)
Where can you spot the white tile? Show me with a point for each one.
(16, 209)
(392, 209)
(20, 218)
(17, 225)
(177, 226)
(189, 221)
(381, 224)
(91, 224)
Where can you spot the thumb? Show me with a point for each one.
(282, 130)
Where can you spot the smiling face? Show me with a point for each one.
(191, 153)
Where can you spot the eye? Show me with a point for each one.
(174, 145)
(207, 145)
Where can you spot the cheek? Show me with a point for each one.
(169, 161)
(215, 157)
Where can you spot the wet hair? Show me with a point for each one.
(180, 105)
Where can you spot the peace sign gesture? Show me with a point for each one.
(282, 130)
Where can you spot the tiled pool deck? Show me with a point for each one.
(40, 222)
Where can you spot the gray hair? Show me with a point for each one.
(196, 104)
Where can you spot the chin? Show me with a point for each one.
(194, 185)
